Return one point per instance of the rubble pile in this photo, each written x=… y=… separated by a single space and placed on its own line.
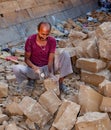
x=87 y=106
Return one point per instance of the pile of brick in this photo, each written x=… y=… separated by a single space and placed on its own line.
x=86 y=107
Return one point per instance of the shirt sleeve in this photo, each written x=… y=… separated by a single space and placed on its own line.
x=53 y=46
x=28 y=45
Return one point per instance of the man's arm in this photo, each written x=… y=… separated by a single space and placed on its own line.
x=28 y=62
x=51 y=62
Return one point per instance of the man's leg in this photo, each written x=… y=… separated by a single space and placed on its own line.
x=24 y=72
x=63 y=64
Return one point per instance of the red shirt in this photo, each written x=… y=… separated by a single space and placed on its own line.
x=40 y=55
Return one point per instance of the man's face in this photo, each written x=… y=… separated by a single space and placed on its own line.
x=43 y=32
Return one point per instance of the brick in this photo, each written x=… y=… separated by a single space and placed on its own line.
x=77 y=35
x=106 y=104
x=2 y=127
x=37 y=12
x=26 y=104
x=93 y=121
x=2 y=69
x=104 y=48
x=3 y=89
x=50 y=84
x=3 y=117
x=11 y=126
x=104 y=30
x=95 y=78
x=70 y=50
x=90 y=64
x=9 y=6
x=109 y=65
x=38 y=115
x=105 y=88
x=53 y=128
x=66 y=116
x=1 y=110
x=39 y=2
x=50 y=101
x=34 y=111
x=13 y=18
x=14 y=109
x=26 y=3
x=10 y=77
x=89 y=99
x=49 y=9
x=30 y=124
x=87 y=48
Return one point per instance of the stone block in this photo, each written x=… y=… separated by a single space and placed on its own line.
x=14 y=109
x=11 y=126
x=77 y=35
x=10 y=77
x=70 y=50
x=105 y=88
x=3 y=117
x=50 y=101
x=26 y=4
x=106 y=104
x=66 y=116
x=95 y=78
x=38 y=11
x=9 y=6
x=89 y=99
x=26 y=104
x=53 y=128
x=34 y=111
x=93 y=121
x=87 y=48
x=39 y=2
x=50 y=84
x=104 y=30
x=104 y=46
x=30 y=124
x=90 y=64
x=2 y=127
x=13 y=18
x=3 y=89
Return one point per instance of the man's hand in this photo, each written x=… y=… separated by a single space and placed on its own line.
x=36 y=69
x=53 y=77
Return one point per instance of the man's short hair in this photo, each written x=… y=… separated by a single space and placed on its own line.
x=45 y=23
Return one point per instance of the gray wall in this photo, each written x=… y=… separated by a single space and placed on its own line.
x=19 y=18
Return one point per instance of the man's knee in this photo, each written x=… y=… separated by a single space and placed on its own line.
x=16 y=68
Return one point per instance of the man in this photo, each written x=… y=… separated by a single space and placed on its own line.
x=41 y=59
